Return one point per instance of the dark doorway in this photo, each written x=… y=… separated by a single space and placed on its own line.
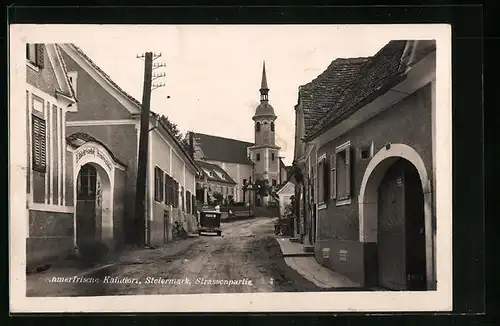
x=401 y=236
x=88 y=205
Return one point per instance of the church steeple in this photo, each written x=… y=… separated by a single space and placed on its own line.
x=264 y=90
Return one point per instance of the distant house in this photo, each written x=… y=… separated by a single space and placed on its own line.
x=104 y=140
x=50 y=205
x=285 y=194
x=230 y=155
x=215 y=180
x=372 y=156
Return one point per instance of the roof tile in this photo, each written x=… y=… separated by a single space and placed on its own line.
x=383 y=70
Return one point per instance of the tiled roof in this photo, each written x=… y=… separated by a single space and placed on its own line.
x=317 y=96
x=222 y=149
x=215 y=168
x=77 y=139
x=382 y=71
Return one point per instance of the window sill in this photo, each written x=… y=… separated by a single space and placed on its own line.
x=321 y=206
x=32 y=66
x=343 y=202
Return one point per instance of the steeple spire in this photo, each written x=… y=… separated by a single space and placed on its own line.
x=264 y=90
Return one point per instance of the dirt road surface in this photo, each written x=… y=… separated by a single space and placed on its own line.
x=246 y=258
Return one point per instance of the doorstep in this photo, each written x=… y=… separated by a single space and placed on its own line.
x=292 y=249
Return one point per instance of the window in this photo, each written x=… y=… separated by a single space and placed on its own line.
x=272 y=157
x=342 y=171
x=193 y=203
x=175 y=194
x=167 y=189
x=158 y=184
x=87 y=180
x=257 y=126
x=188 y=202
x=183 y=202
x=272 y=126
x=323 y=180
x=333 y=176
x=366 y=152
x=39 y=147
x=35 y=54
x=258 y=157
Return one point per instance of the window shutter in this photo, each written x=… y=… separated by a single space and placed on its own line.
x=348 y=171
x=333 y=176
x=326 y=176
x=39 y=144
x=39 y=55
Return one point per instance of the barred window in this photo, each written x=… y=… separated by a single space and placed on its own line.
x=39 y=147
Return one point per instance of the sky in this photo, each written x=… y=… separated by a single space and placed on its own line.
x=213 y=72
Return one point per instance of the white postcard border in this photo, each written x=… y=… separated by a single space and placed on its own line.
x=439 y=300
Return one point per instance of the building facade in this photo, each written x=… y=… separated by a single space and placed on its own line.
x=314 y=100
x=109 y=119
x=215 y=185
x=50 y=206
x=373 y=155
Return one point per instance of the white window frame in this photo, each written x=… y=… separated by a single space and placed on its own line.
x=344 y=200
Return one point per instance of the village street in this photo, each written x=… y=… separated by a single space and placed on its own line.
x=246 y=258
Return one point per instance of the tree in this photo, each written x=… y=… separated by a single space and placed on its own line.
x=174 y=129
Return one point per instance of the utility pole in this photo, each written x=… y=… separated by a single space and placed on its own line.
x=141 y=226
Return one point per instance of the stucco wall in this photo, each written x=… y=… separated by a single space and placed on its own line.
x=121 y=140
x=95 y=102
x=119 y=201
x=408 y=122
x=50 y=236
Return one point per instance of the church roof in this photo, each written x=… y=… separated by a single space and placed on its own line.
x=263 y=84
x=222 y=149
x=264 y=109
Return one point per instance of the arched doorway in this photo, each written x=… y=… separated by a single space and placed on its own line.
x=401 y=229
x=395 y=213
x=93 y=203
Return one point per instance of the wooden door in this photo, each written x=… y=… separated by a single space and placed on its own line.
x=86 y=204
x=415 y=230
x=391 y=229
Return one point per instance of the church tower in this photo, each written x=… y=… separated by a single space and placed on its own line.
x=265 y=152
